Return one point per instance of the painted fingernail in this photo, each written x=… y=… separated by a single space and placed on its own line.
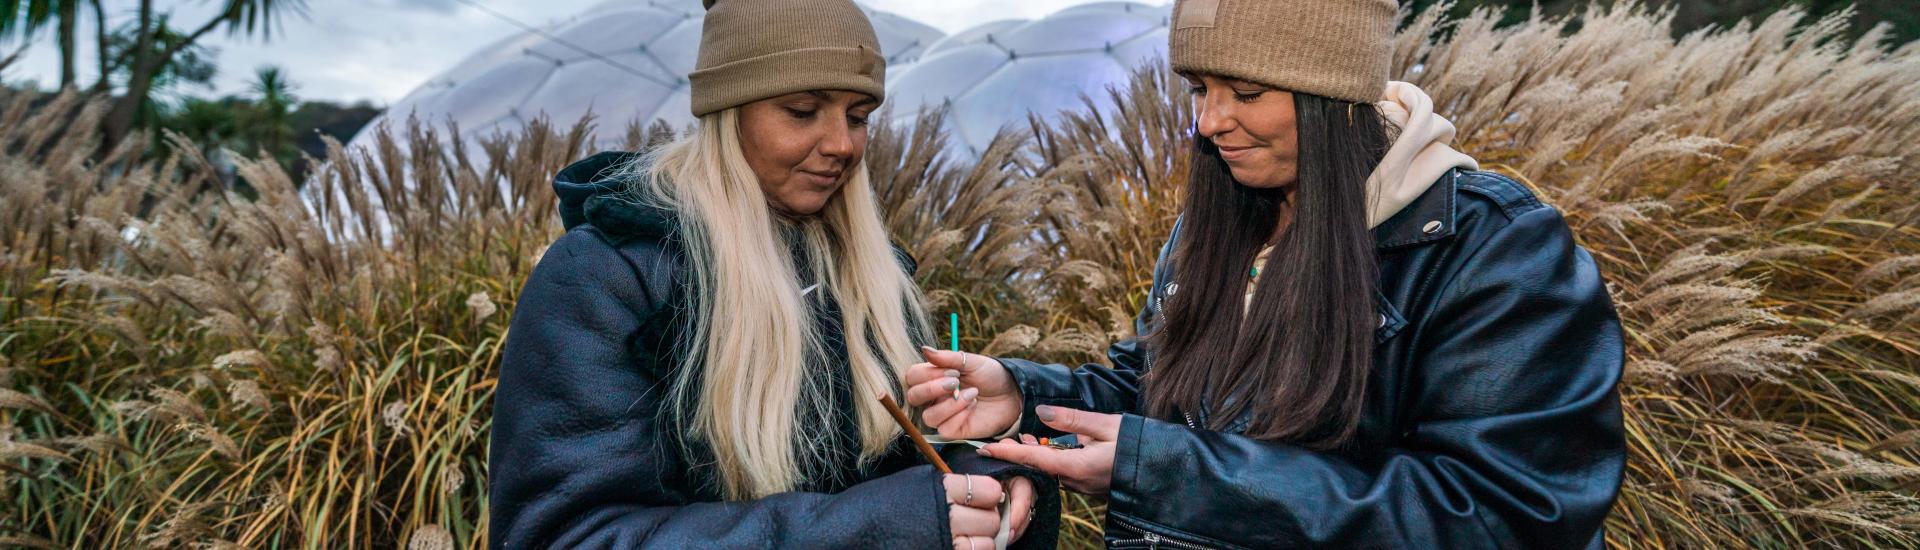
x=1045 y=412
x=953 y=383
x=984 y=452
x=952 y=373
x=970 y=393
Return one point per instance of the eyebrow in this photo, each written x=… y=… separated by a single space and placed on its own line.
x=824 y=96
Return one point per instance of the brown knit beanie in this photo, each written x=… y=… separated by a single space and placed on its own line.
x=1340 y=49
x=755 y=49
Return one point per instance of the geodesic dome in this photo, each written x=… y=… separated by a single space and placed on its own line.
x=996 y=73
x=626 y=60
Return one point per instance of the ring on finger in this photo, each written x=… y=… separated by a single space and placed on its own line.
x=969 y=478
x=956 y=381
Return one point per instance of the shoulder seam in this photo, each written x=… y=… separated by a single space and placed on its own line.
x=1512 y=197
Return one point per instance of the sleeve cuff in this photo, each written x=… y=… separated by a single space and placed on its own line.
x=1039 y=385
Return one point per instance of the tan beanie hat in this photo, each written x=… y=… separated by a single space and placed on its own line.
x=755 y=49
x=1340 y=49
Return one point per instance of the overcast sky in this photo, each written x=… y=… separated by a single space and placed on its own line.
x=378 y=50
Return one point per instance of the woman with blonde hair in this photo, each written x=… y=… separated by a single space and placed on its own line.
x=1354 y=337
x=696 y=362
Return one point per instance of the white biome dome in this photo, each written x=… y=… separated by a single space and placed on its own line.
x=996 y=73
x=626 y=60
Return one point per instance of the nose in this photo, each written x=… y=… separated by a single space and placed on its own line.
x=838 y=143
x=1212 y=117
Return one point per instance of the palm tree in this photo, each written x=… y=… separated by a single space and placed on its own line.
x=153 y=50
x=271 y=124
x=151 y=55
x=23 y=18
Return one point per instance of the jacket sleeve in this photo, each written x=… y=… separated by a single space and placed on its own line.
x=1093 y=387
x=1513 y=437
x=580 y=457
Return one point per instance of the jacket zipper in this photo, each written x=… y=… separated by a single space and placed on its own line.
x=1154 y=540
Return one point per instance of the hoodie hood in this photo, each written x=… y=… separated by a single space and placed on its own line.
x=591 y=192
x=1418 y=157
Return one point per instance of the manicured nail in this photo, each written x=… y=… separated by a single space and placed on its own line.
x=1045 y=412
x=952 y=373
x=970 y=393
x=952 y=383
x=984 y=452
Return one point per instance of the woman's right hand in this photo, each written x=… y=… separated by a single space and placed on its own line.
x=988 y=403
x=974 y=513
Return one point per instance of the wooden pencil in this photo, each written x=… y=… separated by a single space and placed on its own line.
x=919 y=441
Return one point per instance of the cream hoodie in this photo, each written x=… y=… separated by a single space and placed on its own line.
x=1418 y=157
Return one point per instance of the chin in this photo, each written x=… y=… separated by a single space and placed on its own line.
x=807 y=206
x=1254 y=179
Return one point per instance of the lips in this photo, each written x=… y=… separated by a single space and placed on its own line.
x=822 y=178
x=1234 y=153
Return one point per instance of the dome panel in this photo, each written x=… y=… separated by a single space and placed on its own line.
x=1150 y=13
x=997 y=73
x=491 y=94
x=612 y=32
x=500 y=51
x=676 y=50
x=1041 y=85
x=943 y=76
x=978 y=34
x=1074 y=32
x=574 y=89
x=901 y=39
x=1146 y=49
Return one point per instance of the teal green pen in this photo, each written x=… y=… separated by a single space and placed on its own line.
x=953 y=331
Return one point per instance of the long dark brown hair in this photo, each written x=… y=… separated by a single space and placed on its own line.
x=1296 y=361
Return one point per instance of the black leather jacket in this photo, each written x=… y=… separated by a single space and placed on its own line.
x=582 y=456
x=1491 y=419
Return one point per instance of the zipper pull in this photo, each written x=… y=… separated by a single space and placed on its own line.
x=1153 y=540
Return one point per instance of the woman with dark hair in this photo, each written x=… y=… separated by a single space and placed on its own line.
x=1354 y=338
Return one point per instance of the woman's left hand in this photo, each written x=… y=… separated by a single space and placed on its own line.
x=1088 y=469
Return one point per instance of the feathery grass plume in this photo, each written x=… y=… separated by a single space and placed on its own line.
x=452 y=479
x=248 y=392
x=245 y=357
x=28 y=541
x=16 y=450
x=219 y=442
x=431 y=537
x=394 y=416
x=184 y=524
x=101 y=443
x=1018 y=338
x=170 y=404
x=1888 y=268
x=10 y=399
x=482 y=306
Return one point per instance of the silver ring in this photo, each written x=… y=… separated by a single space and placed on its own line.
x=969 y=478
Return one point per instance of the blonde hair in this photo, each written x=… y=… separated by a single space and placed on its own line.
x=751 y=372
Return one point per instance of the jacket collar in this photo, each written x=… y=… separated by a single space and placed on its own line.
x=1429 y=218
